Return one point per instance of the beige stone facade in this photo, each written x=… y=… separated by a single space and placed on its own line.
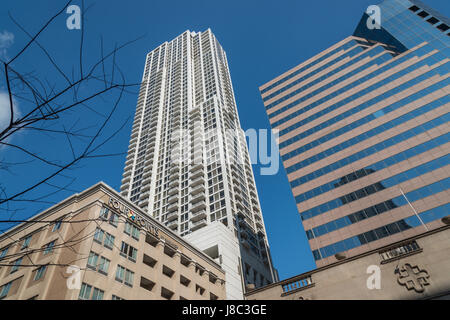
x=416 y=268
x=104 y=248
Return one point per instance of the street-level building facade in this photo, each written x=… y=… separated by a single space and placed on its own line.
x=97 y=245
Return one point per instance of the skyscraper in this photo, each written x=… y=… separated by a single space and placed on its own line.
x=188 y=164
x=364 y=131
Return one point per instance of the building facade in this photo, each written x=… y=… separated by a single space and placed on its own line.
x=364 y=132
x=412 y=269
x=98 y=245
x=188 y=163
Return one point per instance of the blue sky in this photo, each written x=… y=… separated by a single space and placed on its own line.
x=262 y=40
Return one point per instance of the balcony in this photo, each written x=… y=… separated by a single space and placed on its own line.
x=196 y=216
x=144 y=195
x=196 y=166
x=173 y=199
x=198 y=197
x=173 y=207
x=173 y=184
x=198 y=206
x=146 y=187
x=148 y=169
x=126 y=179
x=173 y=191
x=135 y=133
x=198 y=224
x=143 y=203
x=147 y=174
x=196 y=174
x=195 y=110
x=172 y=216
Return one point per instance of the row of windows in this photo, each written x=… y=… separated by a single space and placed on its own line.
x=372 y=149
x=379 y=208
x=38 y=274
x=365 y=105
x=47 y=249
x=381 y=185
x=382 y=164
x=382 y=232
x=26 y=241
x=372 y=132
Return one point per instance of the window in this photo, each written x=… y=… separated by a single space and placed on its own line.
x=97 y=294
x=49 y=247
x=56 y=226
x=127 y=250
x=114 y=297
x=132 y=230
x=432 y=20
x=184 y=281
x=104 y=212
x=129 y=275
x=92 y=260
x=166 y=293
x=26 y=242
x=16 y=265
x=114 y=219
x=104 y=265
x=4 y=290
x=120 y=273
x=443 y=27
x=98 y=235
x=85 y=292
x=40 y=272
x=423 y=14
x=109 y=241
x=200 y=290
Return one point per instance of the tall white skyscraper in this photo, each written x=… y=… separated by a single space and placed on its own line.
x=188 y=164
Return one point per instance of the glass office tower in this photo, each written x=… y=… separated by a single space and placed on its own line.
x=188 y=164
x=364 y=132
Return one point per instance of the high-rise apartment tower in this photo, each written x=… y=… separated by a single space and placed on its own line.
x=188 y=164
